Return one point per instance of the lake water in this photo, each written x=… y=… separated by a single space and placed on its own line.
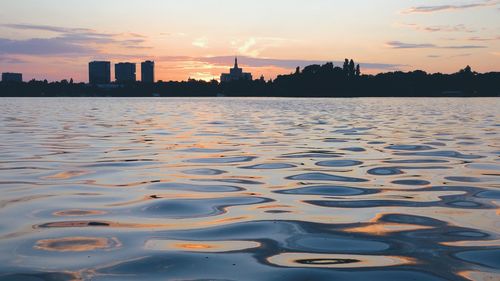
x=249 y=189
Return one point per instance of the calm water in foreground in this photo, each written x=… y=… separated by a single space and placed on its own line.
x=249 y=189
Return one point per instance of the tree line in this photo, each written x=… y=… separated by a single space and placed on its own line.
x=325 y=80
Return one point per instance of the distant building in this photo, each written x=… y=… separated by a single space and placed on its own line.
x=148 y=72
x=12 y=77
x=235 y=74
x=99 y=72
x=125 y=72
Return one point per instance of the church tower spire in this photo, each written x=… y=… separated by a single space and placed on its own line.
x=235 y=73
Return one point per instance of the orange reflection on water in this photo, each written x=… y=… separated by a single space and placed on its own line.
x=479 y=276
x=274 y=206
x=67 y=175
x=201 y=246
x=378 y=227
x=486 y=243
x=230 y=219
x=337 y=261
x=78 y=213
x=77 y=244
x=385 y=228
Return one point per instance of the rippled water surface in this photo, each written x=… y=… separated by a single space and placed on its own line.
x=249 y=189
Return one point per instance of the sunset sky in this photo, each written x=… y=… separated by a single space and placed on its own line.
x=55 y=39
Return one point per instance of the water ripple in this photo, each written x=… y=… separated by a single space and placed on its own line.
x=249 y=189
x=191 y=208
x=222 y=159
x=339 y=163
x=327 y=190
x=324 y=177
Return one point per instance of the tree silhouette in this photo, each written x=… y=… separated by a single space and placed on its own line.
x=352 y=70
x=466 y=71
x=346 y=67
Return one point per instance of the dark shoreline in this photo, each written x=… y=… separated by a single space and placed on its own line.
x=235 y=96
x=315 y=81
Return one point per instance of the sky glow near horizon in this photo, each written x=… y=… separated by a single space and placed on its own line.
x=54 y=40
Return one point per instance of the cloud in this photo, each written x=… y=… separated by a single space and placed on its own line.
x=9 y=60
x=174 y=58
x=53 y=46
x=403 y=45
x=137 y=35
x=224 y=61
x=68 y=41
x=201 y=42
x=439 y=28
x=50 y=28
x=248 y=48
x=454 y=7
x=255 y=46
x=464 y=47
x=461 y=55
x=484 y=39
x=453 y=56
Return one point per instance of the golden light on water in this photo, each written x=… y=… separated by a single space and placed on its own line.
x=200 y=246
x=171 y=185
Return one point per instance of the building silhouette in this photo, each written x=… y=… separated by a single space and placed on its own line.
x=99 y=72
x=235 y=74
x=125 y=72
x=148 y=71
x=12 y=77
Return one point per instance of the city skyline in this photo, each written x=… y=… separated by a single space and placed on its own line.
x=199 y=39
x=100 y=72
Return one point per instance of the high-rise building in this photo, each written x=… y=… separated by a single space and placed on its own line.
x=148 y=71
x=235 y=74
x=125 y=72
x=12 y=77
x=99 y=72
